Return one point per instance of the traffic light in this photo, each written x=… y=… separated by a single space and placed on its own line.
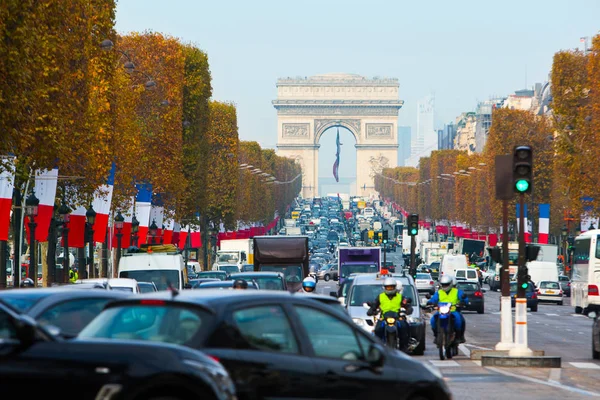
x=413 y=224
x=496 y=254
x=531 y=252
x=371 y=234
x=523 y=169
x=385 y=237
x=523 y=278
x=376 y=237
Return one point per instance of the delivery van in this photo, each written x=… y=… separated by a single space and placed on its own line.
x=453 y=262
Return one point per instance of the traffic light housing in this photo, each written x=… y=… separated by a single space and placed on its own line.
x=496 y=254
x=385 y=237
x=523 y=169
x=413 y=224
x=523 y=279
x=531 y=252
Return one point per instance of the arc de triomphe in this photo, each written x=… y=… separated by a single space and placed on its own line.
x=307 y=107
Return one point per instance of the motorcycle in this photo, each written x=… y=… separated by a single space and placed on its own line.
x=391 y=336
x=446 y=342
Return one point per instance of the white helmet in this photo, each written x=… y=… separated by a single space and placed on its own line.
x=390 y=286
x=399 y=286
x=309 y=284
x=446 y=282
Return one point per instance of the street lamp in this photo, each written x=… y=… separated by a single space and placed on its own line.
x=152 y=232
x=64 y=213
x=31 y=210
x=90 y=216
x=135 y=226
x=119 y=227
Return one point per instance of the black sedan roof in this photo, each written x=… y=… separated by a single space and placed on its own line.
x=260 y=274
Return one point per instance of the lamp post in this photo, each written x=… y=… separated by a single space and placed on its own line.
x=90 y=215
x=152 y=232
x=119 y=219
x=64 y=213
x=135 y=226
x=31 y=210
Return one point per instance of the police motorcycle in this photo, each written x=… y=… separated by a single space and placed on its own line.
x=392 y=330
x=447 y=338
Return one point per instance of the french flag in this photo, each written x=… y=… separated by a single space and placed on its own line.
x=143 y=205
x=168 y=231
x=101 y=204
x=195 y=238
x=183 y=234
x=544 y=223
x=45 y=191
x=6 y=194
x=77 y=228
x=126 y=231
x=176 y=233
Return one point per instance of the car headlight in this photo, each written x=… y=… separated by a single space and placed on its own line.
x=412 y=320
x=359 y=321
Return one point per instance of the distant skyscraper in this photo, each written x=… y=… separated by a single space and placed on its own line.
x=446 y=137
x=404 y=144
x=426 y=138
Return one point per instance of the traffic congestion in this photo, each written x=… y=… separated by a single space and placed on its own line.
x=327 y=308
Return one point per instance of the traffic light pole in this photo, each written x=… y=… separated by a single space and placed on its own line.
x=413 y=245
x=384 y=256
x=506 y=325
x=520 y=348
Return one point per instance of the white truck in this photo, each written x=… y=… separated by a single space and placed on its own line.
x=234 y=251
x=433 y=251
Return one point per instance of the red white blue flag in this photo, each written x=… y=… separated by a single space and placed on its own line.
x=336 y=164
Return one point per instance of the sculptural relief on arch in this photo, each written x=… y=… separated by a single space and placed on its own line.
x=368 y=108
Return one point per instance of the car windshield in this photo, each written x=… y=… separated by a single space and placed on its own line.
x=73 y=315
x=214 y=274
x=160 y=277
x=423 y=276
x=23 y=300
x=122 y=288
x=292 y=273
x=358 y=268
x=367 y=293
x=154 y=322
x=230 y=269
x=231 y=258
x=266 y=282
x=467 y=286
x=549 y=285
x=146 y=288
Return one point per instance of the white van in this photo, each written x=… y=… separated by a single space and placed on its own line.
x=369 y=212
x=453 y=262
x=542 y=271
x=162 y=268
x=466 y=274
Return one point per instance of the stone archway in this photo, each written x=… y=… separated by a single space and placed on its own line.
x=368 y=108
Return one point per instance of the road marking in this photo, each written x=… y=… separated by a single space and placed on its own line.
x=547 y=383
x=464 y=349
x=444 y=363
x=583 y=365
x=581 y=333
x=569 y=330
x=478 y=363
x=578 y=315
x=497 y=313
x=477 y=347
x=552 y=315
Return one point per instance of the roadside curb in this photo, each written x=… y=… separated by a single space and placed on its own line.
x=506 y=361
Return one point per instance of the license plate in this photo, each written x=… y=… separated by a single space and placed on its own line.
x=549 y=291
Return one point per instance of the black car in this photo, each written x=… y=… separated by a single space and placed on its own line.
x=222 y=275
x=474 y=293
x=265 y=280
x=274 y=344
x=224 y=285
x=43 y=366
x=565 y=284
x=62 y=310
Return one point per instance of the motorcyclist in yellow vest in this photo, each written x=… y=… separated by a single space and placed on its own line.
x=449 y=294
x=391 y=300
x=73 y=275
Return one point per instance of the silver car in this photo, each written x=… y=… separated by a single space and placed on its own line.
x=425 y=283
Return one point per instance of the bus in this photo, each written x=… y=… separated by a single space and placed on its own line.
x=585 y=280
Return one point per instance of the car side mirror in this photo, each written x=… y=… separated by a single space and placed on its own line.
x=592 y=314
x=187 y=286
x=375 y=356
x=366 y=305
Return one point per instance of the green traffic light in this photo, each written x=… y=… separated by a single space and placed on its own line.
x=413 y=231
x=522 y=185
x=524 y=285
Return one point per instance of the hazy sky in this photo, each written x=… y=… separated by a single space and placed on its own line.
x=463 y=51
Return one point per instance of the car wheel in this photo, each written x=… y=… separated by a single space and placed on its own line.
x=481 y=310
x=326 y=277
x=595 y=353
x=534 y=309
x=578 y=310
x=560 y=303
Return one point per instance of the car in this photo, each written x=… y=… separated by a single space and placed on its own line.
x=595 y=334
x=197 y=282
x=248 y=268
x=274 y=344
x=425 y=283
x=147 y=287
x=102 y=369
x=222 y=275
x=265 y=280
x=434 y=268
x=565 y=284
x=550 y=291
x=224 y=285
x=366 y=287
x=474 y=293
x=122 y=284
x=328 y=272
x=65 y=310
x=343 y=289
x=530 y=294
x=229 y=268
